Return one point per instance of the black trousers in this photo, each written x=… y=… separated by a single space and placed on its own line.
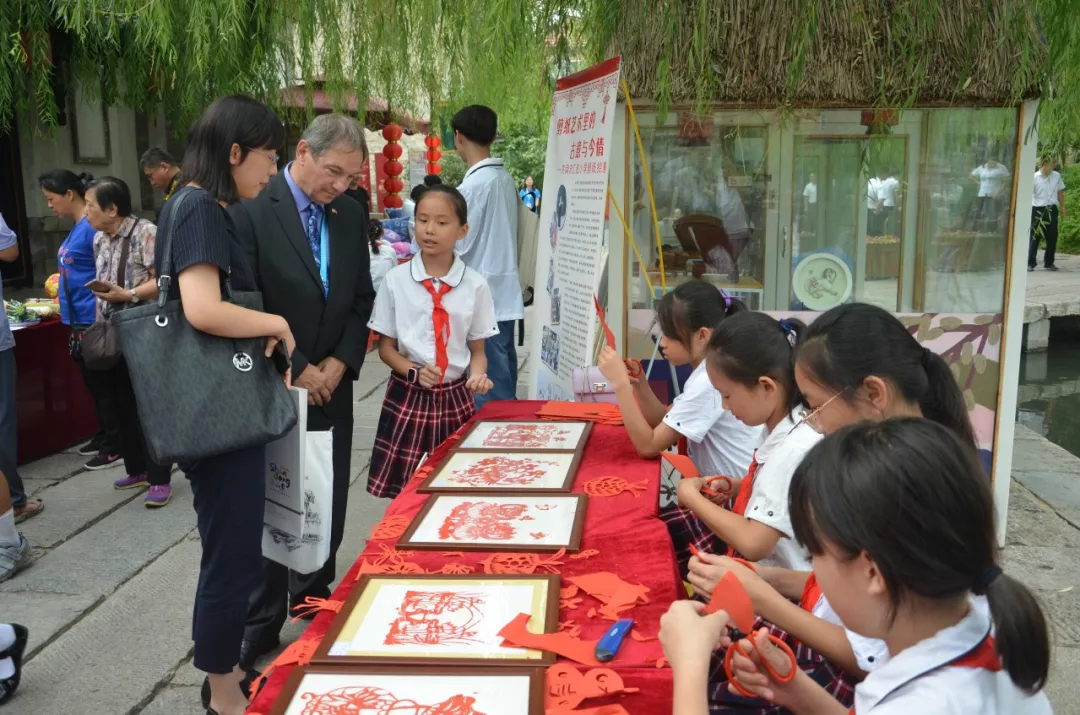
x=281 y=587
x=228 y=493
x=108 y=434
x=126 y=413
x=1044 y=224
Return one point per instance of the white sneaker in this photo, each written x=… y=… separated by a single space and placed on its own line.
x=14 y=558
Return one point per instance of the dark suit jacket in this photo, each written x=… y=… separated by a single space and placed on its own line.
x=269 y=230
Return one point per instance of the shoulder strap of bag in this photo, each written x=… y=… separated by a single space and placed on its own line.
x=67 y=295
x=125 y=249
x=164 y=281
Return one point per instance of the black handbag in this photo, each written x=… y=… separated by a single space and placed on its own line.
x=100 y=345
x=199 y=395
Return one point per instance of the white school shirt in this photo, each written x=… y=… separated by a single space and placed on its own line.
x=1046 y=189
x=490 y=248
x=870 y=653
x=887 y=191
x=873 y=186
x=403 y=312
x=779 y=453
x=383 y=260
x=718 y=442
x=810 y=192
x=922 y=679
x=990 y=180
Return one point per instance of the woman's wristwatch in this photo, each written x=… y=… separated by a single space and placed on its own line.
x=134 y=296
x=413 y=375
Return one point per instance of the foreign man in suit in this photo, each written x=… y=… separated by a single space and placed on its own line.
x=307 y=245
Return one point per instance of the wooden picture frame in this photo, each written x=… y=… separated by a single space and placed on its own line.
x=469 y=439
x=355 y=677
x=358 y=607
x=436 y=481
x=438 y=504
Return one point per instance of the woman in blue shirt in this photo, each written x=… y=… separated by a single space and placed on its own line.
x=530 y=195
x=65 y=191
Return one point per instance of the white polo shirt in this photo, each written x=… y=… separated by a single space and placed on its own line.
x=873 y=187
x=887 y=191
x=779 y=453
x=870 y=653
x=922 y=680
x=717 y=441
x=1046 y=189
x=490 y=248
x=990 y=179
x=403 y=312
x=809 y=192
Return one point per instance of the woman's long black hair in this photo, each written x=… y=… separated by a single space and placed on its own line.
x=749 y=346
x=694 y=305
x=910 y=493
x=852 y=342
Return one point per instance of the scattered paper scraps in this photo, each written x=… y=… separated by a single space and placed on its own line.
x=456 y=569
x=502 y=563
x=516 y=634
x=586 y=554
x=642 y=638
x=313 y=605
x=568 y=597
x=570 y=627
x=614 y=486
x=297 y=653
x=616 y=595
x=568 y=687
x=391 y=527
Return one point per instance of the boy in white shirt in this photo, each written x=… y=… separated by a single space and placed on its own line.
x=1047 y=206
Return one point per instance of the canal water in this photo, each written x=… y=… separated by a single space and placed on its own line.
x=1049 y=397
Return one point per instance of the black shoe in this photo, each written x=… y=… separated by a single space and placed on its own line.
x=101 y=461
x=250 y=651
x=8 y=686
x=90 y=449
x=1031 y=269
x=1051 y=268
x=245 y=685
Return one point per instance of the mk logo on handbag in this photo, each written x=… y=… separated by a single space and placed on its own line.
x=242 y=362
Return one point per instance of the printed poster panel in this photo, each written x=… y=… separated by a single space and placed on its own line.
x=569 y=256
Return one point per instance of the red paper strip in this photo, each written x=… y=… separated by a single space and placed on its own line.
x=609 y=337
x=683 y=464
x=567 y=686
x=516 y=633
x=730 y=595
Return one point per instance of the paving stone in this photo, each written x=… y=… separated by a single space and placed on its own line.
x=182 y=700
x=116 y=548
x=187 y=674
x=117 y=656
x=72 y=505
x=45 y=614
x=54 y=467
x=1042 y=456
x=1044 y=568
x=1033 y=523
x=358 y=467
x=1062 y=688
x=1059 y=490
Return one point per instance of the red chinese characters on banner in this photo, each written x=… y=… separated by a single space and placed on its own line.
x=526 y=436
x=483 y=520
x=502 y=471
x=359 y=700
x=578 y=123
x=436 y=618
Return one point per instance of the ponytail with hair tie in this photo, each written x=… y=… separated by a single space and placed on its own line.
x=986 y=577
x=789 y=331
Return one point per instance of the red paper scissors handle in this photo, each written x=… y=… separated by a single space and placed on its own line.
x=735 y=647
x=725 y=486
x=695 y=551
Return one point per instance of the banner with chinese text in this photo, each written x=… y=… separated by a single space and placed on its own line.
x=568 y=258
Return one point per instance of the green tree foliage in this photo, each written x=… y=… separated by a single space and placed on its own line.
x=453 y=169
x=524 y=151
x=1069 y=227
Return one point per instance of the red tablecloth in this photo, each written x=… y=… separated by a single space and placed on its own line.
x=632 y=541
x=54 y=407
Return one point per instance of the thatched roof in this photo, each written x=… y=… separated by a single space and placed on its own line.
x=855 y=52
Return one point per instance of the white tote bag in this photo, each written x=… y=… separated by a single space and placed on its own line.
x=299 y=495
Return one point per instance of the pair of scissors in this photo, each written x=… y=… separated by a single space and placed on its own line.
x=632 y=366
x=730 y=596
x=695 y=551
x=725 y=488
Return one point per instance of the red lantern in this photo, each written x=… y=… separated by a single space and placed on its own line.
x=391 y=132
x=393 y=201
x=432 y=142
x=394 y=185
x=394 y=168
x=392 y=150
x=434 y=169
x=433 y=155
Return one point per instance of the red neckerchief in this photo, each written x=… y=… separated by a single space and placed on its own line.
x=983 y=656
x=746 y=489
x=441 y=321
x=811 y=594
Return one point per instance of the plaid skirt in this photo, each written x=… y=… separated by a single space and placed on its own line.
x=414 y=421
x=687 y=529
x=834 y=680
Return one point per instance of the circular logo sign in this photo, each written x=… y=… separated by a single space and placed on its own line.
x=242 y=362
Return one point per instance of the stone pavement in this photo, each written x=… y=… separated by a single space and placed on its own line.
x=108 y=599
x=1050 y=295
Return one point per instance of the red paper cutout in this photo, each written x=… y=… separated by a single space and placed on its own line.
x=599 y=412
x=682 y=463
x=586 y=554
x=568 y=591
x=661 y=662
x=591 y=613
x=313 y=605
x=731 y=596
x=537 y=535
x=616 y=595
x=502 y=471
x=516 y=633
x=297 y=653
x=523 y=563
x=422 y=472
x=570 y=627
x=567 y=597
x=567 y=686
x=391 y=561
x=613 y=486
x=530 y=436
x=482 y=520
x=352 y=700
x=436 y=618
x=640 y=638
x=455 y=569
x=391 y=527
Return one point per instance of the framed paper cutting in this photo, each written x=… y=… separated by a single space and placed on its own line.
x=315 y=690
x=517 y=522
x=487 y=472
x=531 y=436
x=452 y=620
